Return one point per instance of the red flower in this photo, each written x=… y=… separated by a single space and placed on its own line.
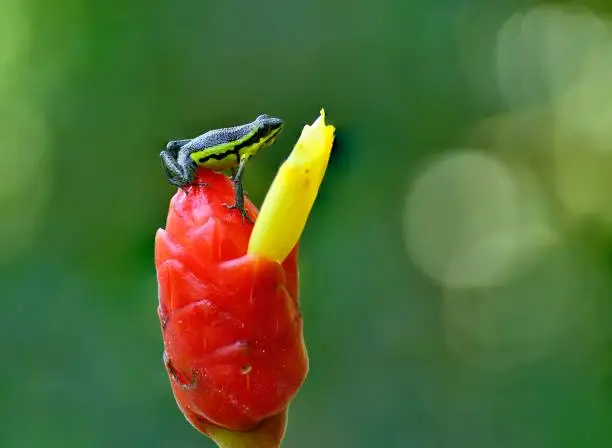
x=231 y=322
x=228 y=299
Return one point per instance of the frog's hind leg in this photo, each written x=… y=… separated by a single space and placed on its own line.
x=175 y=173
x=174 y=146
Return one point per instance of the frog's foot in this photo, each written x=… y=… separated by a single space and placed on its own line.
x=188 y=187
x=239 y=205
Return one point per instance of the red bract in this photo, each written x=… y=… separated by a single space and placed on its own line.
x=231 y=322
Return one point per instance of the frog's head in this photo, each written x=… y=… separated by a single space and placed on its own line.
x=269 y=127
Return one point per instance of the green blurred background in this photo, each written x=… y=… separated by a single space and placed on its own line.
x=456 y=268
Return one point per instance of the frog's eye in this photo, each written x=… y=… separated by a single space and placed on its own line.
x=262 y=117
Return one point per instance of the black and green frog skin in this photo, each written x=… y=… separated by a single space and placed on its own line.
x=220 y=149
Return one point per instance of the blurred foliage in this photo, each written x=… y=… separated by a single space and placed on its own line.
x=456 y=275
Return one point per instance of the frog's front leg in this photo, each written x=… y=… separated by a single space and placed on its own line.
x=239 y=191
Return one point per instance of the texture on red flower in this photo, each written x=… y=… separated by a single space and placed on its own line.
x=230 y=321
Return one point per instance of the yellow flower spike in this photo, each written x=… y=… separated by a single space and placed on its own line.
x=290 y=198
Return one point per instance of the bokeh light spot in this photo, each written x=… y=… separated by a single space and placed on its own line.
x=25 y=168
x=520 y=322
x=467 y=222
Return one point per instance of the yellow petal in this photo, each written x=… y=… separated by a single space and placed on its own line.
x=267 y=435
x=288 y=203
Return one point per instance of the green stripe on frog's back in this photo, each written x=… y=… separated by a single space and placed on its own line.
x=224 y=155
x=228 y=154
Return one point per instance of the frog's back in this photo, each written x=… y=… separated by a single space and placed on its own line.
x=220 y=137
x=218 y=149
